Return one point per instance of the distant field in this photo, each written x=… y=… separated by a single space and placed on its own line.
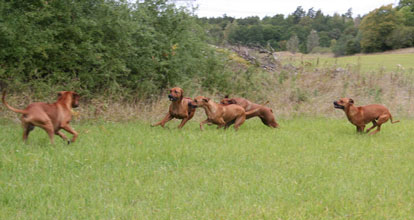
x=364 y=63
x=310 y=168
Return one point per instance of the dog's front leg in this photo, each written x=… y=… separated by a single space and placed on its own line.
x=360 y=129
x=166 y=119
x=183 y=122
x=204 y=122
x=63 y=136
x=70 y=130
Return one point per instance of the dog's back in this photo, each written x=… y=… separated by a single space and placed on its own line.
x=232 y=111
x=373 y=111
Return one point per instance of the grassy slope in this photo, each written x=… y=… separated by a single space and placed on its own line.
x=374 y=62
x=311 y=168
x=364 y=63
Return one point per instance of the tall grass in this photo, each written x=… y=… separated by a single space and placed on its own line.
x=310 y=168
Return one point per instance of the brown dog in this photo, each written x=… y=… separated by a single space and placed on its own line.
x=50 y=117
x=179 y=108
x=362 y=115
x=219 y=114
x=264 y=113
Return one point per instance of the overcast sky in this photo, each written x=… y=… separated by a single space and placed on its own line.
x=261 y=8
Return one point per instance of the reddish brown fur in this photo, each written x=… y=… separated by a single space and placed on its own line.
x=219 y=114
x=362 y=115
x=50 y=117
x=178 y=109
x=264 y=113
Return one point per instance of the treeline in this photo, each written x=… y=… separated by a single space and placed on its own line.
x=312 y=31
x=104 y=47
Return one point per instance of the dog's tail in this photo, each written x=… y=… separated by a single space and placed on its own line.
x=267 y=102
x=3 y=99
x=392 y=122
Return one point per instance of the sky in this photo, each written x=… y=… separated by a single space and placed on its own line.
x=262 y=8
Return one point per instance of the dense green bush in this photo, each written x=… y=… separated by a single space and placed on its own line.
x=321 y=50
x=103 y=46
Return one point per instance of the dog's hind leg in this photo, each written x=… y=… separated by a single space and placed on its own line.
x=27 y=128
x=374 y=124
x=239 y=121
x=229 y=124
x=48 y=127
x=381 y=120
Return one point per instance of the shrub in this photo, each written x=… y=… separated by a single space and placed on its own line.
x=321 y=50
x=105 y=47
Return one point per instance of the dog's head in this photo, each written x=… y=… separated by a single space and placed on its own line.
x=198 y=101
x=343 y=103
x=75 y=100
x=228 y=101
x=176 y=93
x=74 y=97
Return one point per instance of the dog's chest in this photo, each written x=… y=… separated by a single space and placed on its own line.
x=179 y=114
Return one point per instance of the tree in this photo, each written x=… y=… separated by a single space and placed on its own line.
x=231 y=26
x=401 y=37
x=408 y=14
x=311 y=13
x=255 y=35
x=404 y=3
x=324 y=39
x=238 y=35
x=346 y=45
x=376 y=28
x=313 y=41
x=272 y=34
x=298 y=14
x=348 y=13
x=293 y=44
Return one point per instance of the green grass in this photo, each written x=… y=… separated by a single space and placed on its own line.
x=364 y=63
x=310 y=168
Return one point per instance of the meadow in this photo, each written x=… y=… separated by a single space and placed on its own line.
x=310 y=168
x=396 y=61
x=121 y=57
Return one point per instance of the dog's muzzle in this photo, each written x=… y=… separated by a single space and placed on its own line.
x=191 y=105
x=336 y=105
x=172 y=98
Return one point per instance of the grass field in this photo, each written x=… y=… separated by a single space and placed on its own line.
x=365 y=63
x=310 y=168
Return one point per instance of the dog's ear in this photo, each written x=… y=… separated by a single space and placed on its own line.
x=232 y=101
x=206 y=99
x=75 y=95
x=59 y=94
x=351 y=101
x=181 y=92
